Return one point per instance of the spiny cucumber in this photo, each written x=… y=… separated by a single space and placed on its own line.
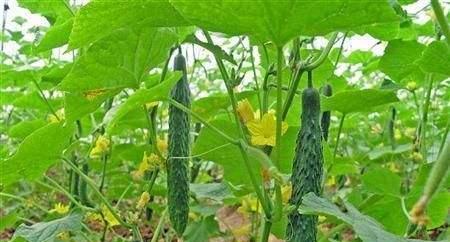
x=307 y=168
x=179 y=146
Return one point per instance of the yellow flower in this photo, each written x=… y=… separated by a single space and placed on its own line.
x=245 y=111
x=149 y=163
x=411 y=86
x=397 y=134
x=240 y=231
x=151 y=104
x=416 y=156
x=60 y=208
x=101 y=146
x=57 y=117
x=162 y=145
x=109 y=217
x=143 y=200
x=376 y=129
x=64 y=236
x=263 y=131
x=410 y=132
x=93 y=216
x=249 y=204
x=286 y=191
x=331 y=181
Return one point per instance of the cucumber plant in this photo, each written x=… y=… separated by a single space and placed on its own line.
x=186 y=120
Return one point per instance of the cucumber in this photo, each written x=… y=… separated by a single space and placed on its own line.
x=179 y=146
x=307 y=168
x=325 y=121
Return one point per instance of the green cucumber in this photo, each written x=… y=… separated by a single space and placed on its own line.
x=179 y=146
x=325 y=121
x=307 y=168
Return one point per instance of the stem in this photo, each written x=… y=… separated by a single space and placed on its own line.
x=71 y=198
x=332 y=232
x=323 y=55
x=206 y=123
x=340 y=52
x=229 y=88
x=303 y=68
x=259 y=193
x=426 y=106
x=279 y=105
x=266 y=230
x=338 y=138
x=102 y=181
x=23 y=200
x=442 y=20
x=45 y=99
x=441 y=147
x=159 y=226
x=91 y=184
x=258 y=90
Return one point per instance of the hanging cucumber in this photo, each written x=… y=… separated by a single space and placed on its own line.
x=307 y=168
x=179 y=140
x=84 y=198
x=325 y=121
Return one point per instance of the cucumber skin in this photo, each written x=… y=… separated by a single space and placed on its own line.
x=325 y=121
x=179 y=146
x=307 y=169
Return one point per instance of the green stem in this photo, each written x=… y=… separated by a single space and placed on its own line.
x=45 y=99
x=71 y=198
x=206 y=123
x=266 y=231
x=301 y=69
x=323 y=55
x=102 y=181
x=441 y=147
x=442 y=20
x=332 y=232
x=92 y=185
x=426 y=106
x=229 y=88
x=338 y=137
x=279 y=105
x=258 y=89
x=23 y=200
x=258 y=190
x=159 y=226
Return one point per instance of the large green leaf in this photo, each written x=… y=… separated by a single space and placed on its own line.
x=201 y=230
x=56 y=36
x=365 y=227
x=213 y=147
x=159 y=92
x=77 y=105
x=51 y=9
x=358 y=100
x=47 y=231
x=24 y=128
x=36 y=153
x=100 y=18
x=280 y=21
x=436 y=58
x=214 y=191
x=398 y=61
x=382 y=181
x=120 y=60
